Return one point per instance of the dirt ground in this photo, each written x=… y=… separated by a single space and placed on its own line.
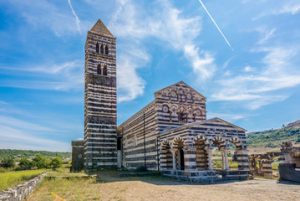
x=164 y=189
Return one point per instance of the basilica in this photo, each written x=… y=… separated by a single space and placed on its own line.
x=171 y=134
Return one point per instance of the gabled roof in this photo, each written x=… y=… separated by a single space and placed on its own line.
x=180 y=83
x=205 y=123
x=217 y=120
x=101 y=29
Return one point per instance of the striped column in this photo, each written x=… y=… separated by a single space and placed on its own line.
x=266 y=168
x=190 y=159
x=242 y=159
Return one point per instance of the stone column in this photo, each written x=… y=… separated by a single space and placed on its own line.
x=243 y=159
x=209 y=157
x=225 y=160
x=267 y=168
x=174 y=159
x=190 y=158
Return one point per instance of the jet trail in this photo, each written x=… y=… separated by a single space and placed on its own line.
x=76 y=17
x=216 y=25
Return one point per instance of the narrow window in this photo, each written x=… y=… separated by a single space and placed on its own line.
x=102 y=49
x=105 y=70
x=106 y=49
x=99 y=69
x=97 y=47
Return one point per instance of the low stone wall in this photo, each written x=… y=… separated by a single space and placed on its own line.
x=20 y=192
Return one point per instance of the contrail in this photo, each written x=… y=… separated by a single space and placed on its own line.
x=76 y=17
x=212 y=19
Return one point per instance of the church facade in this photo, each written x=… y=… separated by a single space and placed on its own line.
x=171 y=134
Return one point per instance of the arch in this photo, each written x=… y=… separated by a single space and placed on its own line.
x=99 y=70
x=240 y=155
x=218 y=145
x=232 y=152
x=106 y=50
x=97 y=47
x=104 y=70
x=178 y=146
x=102 y=49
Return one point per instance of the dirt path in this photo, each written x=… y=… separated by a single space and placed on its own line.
x=247 y=190
x=164 y=189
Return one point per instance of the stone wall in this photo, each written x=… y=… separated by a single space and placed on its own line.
x=22 y=191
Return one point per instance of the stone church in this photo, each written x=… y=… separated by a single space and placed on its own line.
x=171 y=134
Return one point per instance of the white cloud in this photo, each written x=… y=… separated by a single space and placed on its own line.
x=288 y=7
x=61 y=76
x=12 y=138
x=20 y=124
x=165 y=23
x=130 y=85
x=43 y=14
x=248 y=69
x=267 y=34
x=257 y=89
x=227 y=116
x=292 y=9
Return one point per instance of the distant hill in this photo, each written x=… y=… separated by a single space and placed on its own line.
x=4 y=153
x=274 y=137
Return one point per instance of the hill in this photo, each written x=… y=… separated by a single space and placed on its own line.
x=274 y=137
x=4 y=153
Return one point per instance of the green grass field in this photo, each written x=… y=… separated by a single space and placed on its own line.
x=12 y=178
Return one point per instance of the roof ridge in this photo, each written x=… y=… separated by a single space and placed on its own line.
x=100 y=28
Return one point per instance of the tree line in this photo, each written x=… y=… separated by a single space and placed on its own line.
x=37 y=162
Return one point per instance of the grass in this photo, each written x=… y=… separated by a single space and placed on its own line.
x=12 y=178
x=62 y=184
x=75 y=188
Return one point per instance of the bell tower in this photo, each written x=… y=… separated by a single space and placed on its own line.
x=100 y=111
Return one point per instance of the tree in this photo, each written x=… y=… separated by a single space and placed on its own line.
x=56 y=163
x=25 y=164
x=8 y=162
x=40 y=161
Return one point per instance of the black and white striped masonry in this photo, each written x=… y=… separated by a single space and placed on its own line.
x=100 y=112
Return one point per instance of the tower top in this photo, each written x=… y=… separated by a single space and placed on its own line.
x=100 y=28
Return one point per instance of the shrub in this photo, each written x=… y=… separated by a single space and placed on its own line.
x=41 y=162
x=8 y=163
x=56 y=163
x=25 y=164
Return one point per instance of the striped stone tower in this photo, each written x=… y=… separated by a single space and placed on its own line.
x=100 y=114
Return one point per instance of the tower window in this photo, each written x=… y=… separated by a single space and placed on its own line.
x=97 y=47
x=105 y=70
x=102 y=49
x=106 y=49
x=99 y=69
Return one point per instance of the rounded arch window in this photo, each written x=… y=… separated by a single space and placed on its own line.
x=102 y=49
x=105 y=70
x=97 y=47
x=99 y=70
x=182 y=117
x=106 y=49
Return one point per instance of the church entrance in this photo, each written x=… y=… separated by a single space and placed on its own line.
x=180 y=159
x=181 y=153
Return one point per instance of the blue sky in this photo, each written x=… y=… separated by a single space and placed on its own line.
x=242 y=55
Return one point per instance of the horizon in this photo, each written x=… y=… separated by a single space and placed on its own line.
x=244 y=61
